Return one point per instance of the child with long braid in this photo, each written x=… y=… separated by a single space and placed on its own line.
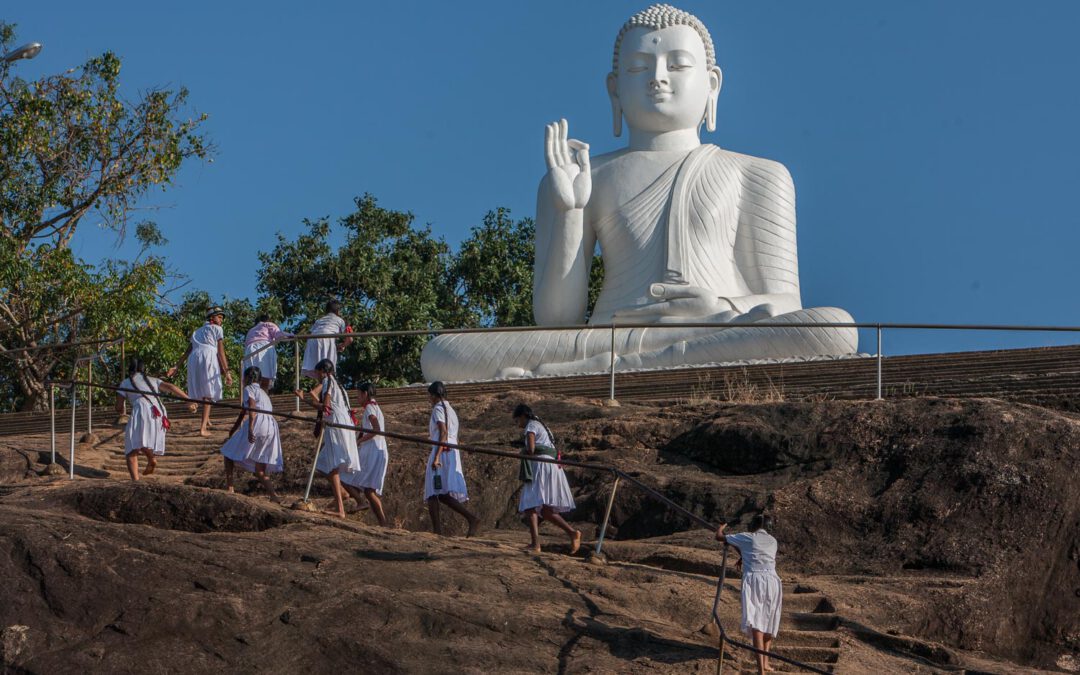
x=338 y=451
x=144 y=433
x=546 y=493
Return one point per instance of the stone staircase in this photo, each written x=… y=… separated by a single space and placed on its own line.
x=808 y=630
x=185 y=453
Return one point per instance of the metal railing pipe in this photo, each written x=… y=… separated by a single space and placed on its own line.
x=89 y=396
x=315 y=463
x=296 y=374
x=123 y=371
x=607 y=515
x=611 y=393
x=680 y=326
x=71 y=459
x=52 y=423
x=879 y=362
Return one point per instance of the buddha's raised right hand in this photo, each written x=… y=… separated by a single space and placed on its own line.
x=569 y=174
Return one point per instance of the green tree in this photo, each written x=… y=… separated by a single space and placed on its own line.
x=493 y=270
x=389 y=274
x=73 y=145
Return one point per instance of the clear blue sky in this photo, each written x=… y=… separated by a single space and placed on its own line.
x=933 y=144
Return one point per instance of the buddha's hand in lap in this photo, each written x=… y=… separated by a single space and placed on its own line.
x=569 y=175
x=681 y=303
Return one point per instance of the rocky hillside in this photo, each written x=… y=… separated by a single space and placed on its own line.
x=916 y=534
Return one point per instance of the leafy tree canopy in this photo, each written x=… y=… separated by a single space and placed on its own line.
x=72 y=146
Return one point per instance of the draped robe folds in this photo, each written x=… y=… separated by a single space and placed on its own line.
x=716 y=220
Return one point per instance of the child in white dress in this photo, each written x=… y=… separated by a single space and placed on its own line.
x=144 y=433
x=255 y=441
x=762 y=592
x=206 y=362
x=338 y=451
x=546 y=493
x=444 y=482
x=368 y=481
x=318 y=349
x=258 y=340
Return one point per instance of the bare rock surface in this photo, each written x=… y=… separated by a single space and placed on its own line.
x=920 y=535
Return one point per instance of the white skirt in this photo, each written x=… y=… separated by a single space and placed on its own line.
x=265 y=450
x=204 y=374
x=762 y=597
x=372 y=471
x=265 y=361
x=338 y=450
x=143 y=430
x=548 y=487
x=453 y=480
x=316 y=350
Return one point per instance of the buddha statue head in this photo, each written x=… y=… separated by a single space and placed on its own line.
x=664 y=75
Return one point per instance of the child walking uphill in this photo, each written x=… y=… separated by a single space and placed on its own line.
x=144 y=433
x=255 y=441
x=259 y=353
x=762 y=592
x=338 y=451
x=444 y=482
x=368 y=481
x=546 y=493
x=206 y=362
x=321 y=348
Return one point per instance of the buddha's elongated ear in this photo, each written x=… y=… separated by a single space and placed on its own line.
x=616 y=107
x=716 y=78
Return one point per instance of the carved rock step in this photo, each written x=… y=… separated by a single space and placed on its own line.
x=807 y=603
x=805 y=638
x=807 y=654
x=812 y=622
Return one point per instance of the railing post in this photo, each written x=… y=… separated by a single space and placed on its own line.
x=607 y=515
x=71 y=460
x=89 y=396
x=296 y=374
x=879 y=362
x=314 y=463
x=611 y=392
x=123 y=369
x=52 y=421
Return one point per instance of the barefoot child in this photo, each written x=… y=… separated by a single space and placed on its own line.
x=254 y=442
x=444 y=483
x=206 y=362
x=373 y=455
x=318 y=349
x=546 y=493
x=145 y=430
x=338 y=450
x=762 y=592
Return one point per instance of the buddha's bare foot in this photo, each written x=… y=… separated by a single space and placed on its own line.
x=531 y=549
x=204 y=433
x=334 y=512
x=575 y=542
x=150 y=466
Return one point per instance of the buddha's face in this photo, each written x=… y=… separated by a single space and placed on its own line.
x=664 y=80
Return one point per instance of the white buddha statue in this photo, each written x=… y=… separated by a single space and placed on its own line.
x=689 y=233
